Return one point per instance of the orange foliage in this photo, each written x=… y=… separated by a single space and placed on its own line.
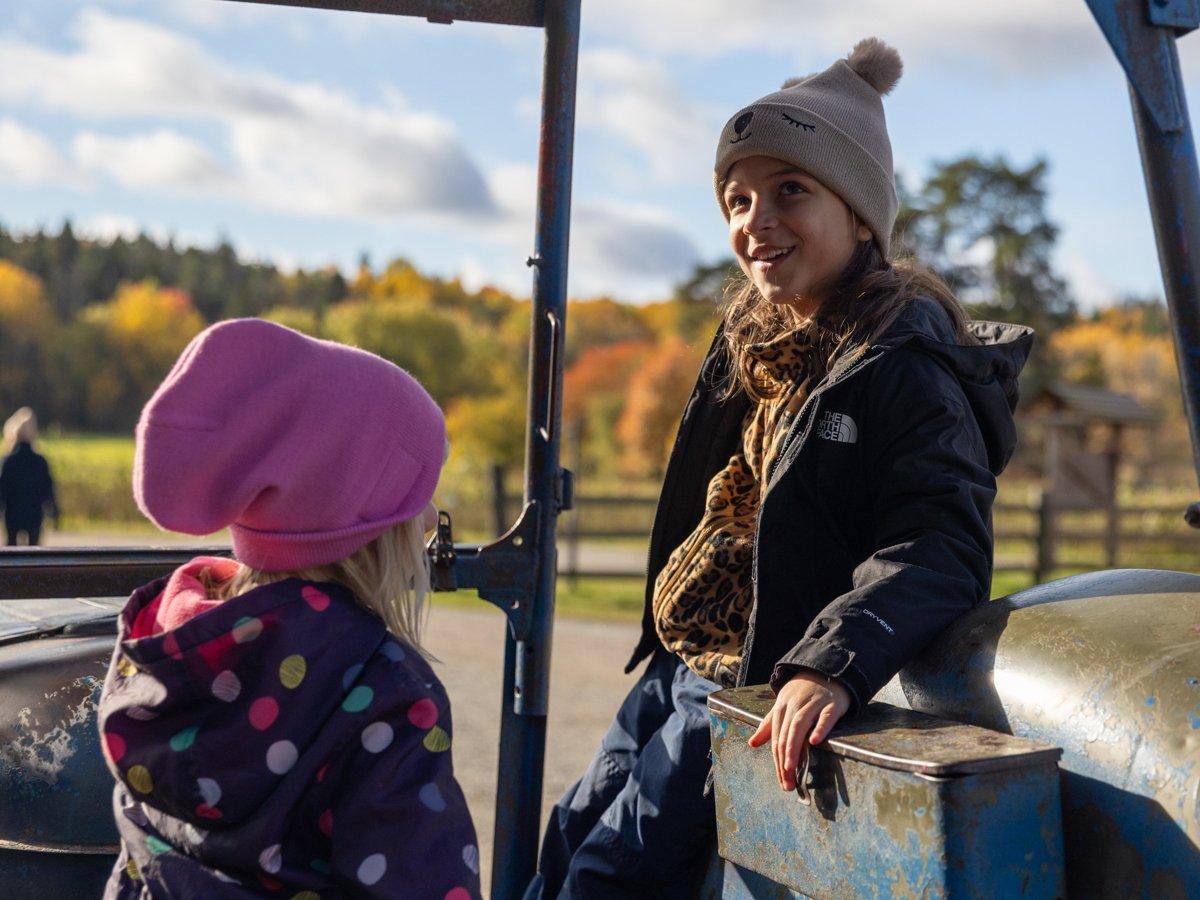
x=653 y=406
x=600 y=371
x=596 y=323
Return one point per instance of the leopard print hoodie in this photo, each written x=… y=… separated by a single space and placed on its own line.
x=702 y=595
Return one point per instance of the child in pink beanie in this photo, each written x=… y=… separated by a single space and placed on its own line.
x=271 y=722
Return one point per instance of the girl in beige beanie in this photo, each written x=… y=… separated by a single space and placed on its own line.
x=827 y=506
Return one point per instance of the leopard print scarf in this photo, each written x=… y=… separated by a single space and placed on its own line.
x=702 y=595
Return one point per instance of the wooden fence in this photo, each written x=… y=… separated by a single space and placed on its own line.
x=604 y=536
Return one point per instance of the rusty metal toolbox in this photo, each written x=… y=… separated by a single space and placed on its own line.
x=900 y=804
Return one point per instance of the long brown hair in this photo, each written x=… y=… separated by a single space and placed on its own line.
x=863 y=303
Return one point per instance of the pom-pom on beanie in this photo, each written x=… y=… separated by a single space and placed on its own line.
x=831 y=125
x=307 y=450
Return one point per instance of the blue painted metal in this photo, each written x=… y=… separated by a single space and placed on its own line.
x=1181 y=15
x=527 y=657
x=1142 y=35
x=1107 y=666
x=903 y=805
x=443 y=12
x=57 y=834
x=729 y=881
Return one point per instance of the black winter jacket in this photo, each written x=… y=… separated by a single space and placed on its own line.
x=26 y=488
x=874 y=531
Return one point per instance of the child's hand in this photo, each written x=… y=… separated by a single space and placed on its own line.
x=809 y=702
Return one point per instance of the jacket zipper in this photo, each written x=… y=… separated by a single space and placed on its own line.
x=814 y=399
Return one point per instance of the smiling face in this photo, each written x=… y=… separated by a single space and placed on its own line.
x=791 y=235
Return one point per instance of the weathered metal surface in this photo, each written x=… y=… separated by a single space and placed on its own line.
x=1107 y=666
x=56 y=826
x=1140 y=48
x=1180 y=15
x=89 y=571
x=22 y=619
x=498 y=12
x=895 y=738
x=1142 y=35
x=873 y=831
x=729 y=881
x=525 y=697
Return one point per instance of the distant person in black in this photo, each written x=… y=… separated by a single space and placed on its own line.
x=26 y=488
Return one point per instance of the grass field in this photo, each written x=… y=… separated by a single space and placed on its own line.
x=95 y=493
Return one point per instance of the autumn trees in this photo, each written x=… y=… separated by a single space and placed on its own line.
x=87 y=327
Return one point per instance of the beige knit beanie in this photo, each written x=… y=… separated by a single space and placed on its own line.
x=831 y=125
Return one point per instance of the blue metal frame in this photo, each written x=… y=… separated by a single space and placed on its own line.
x=547 y=485
x=1142 y=34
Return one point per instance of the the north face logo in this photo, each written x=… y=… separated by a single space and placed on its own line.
x=838 y=427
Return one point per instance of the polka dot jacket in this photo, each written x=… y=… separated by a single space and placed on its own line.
x=280 y=744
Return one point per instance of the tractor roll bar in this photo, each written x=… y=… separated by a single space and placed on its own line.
x=443 y=12
x=1142 y=34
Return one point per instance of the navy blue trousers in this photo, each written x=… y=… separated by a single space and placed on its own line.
x=638 y=823
x=14 y=525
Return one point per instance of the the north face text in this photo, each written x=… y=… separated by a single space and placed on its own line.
x=833 y=426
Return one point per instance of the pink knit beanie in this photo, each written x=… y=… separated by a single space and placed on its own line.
x=307 y=450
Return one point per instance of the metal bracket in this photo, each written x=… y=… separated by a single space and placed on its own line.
x=1182 y=15
x=442 y=554
x=564 y=493
x=503 y=571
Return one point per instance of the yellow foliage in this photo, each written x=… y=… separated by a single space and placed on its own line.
x=302 y=320
x=23 y=304
x=400 y=281
x=141 y=332
x=1120 y=350
x=1116 y=351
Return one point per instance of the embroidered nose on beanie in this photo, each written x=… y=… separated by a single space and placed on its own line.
x=306 y=449
x=830 y=125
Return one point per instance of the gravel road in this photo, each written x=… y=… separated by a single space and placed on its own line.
x=587 y=685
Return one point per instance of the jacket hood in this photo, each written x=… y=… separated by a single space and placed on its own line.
x=987 y=372
x=206 y=719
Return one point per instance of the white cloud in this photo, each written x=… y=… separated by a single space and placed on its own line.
x=637 y=243
x=634 y=251
x=638 y=101
x=28 y=158
x=160 y=158
x=306 y=149
x=109 y=226
x=1017 y=35
x=292 y=147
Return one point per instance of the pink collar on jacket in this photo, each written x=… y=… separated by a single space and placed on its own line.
x=184 y=597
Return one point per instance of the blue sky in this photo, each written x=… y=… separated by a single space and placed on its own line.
x=310 y=137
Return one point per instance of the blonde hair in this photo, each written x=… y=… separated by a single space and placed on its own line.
x=21 y=426
x=390 y=576
x=863 y=303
